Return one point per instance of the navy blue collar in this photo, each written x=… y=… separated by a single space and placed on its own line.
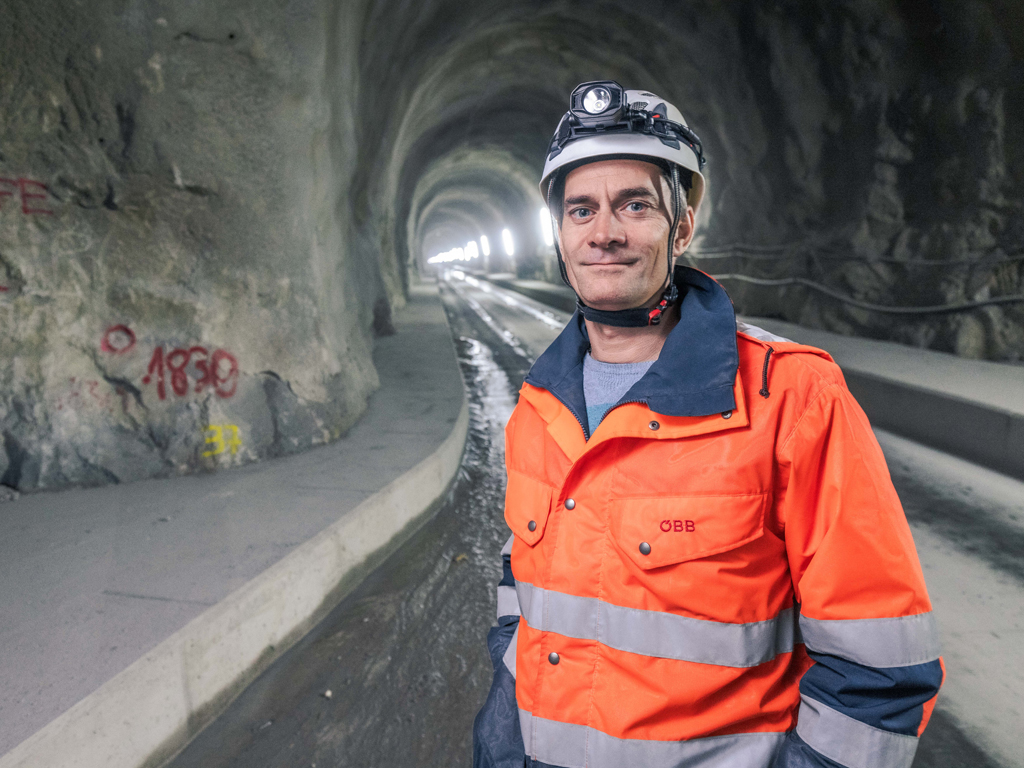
x=693 y=376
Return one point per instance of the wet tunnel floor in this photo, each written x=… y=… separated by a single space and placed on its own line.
x=404 y=656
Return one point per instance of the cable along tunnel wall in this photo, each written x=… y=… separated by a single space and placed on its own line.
x=208 y=211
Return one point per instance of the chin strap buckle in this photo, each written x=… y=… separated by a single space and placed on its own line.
x=668 y=298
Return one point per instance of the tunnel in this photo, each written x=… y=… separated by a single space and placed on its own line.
x=210 y=212
x=272 y=275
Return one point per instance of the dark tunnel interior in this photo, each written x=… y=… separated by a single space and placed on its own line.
x=265 y=181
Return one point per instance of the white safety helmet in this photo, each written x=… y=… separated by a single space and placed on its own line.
x=605 y=120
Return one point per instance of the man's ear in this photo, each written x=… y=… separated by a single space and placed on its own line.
x=684 y=232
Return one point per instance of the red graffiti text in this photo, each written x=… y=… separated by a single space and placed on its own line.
x=219 y=371
x=28 y=190
x=88 y=393
x=118 y=339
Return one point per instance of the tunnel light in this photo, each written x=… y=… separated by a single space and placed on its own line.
x=545 y=226
x=455 y=254
x=485 y=245
x=506 y=240
x=472 y=251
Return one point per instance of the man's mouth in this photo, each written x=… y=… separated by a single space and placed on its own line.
x=616 y=263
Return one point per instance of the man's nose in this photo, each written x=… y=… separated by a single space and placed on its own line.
x=607 y=231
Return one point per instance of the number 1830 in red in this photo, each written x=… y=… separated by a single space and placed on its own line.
x=219 y=371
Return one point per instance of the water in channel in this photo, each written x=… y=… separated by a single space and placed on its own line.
x=404 y=656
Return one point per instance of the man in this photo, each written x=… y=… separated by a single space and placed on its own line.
x=709 y=564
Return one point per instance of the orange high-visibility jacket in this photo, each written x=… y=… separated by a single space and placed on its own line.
x=720 y=575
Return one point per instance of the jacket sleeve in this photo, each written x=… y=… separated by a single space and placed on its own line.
x=497 y=739
x=865 y=616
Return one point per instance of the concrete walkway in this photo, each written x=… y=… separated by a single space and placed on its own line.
x=102 y=586
x=970 y=408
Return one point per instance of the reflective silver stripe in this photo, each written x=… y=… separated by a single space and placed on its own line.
x=510 y=654
x=897 y=642
x=507 y=549
x=758 y=333
x=850 y=742
x=508 y=602
x=655 y=633
x=578 y=746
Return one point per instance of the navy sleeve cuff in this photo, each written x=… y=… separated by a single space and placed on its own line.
x=497 y=739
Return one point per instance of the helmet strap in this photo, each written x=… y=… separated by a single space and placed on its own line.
x=637 y=317
x=558 y=251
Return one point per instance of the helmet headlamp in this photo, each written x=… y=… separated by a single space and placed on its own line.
x=596 y=100
x=599 y=102
x=600 y=107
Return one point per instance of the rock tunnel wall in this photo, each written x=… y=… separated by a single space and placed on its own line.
x=207 y=210
x=180 y=285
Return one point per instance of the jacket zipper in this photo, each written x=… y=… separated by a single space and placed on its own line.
x=579 y=421
x=586 y=432
x=624 y=402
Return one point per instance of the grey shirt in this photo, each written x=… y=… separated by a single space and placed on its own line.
x=604 y=384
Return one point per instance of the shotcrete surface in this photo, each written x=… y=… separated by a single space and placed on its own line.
x=94 y=578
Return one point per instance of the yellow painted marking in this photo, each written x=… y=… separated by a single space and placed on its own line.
x=217 y=438
x=234 y=441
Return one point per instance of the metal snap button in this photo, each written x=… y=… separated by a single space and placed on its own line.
x=655 y=426
x=570 y=504
x=532 y=525
x=726 y=414
x=553 y=658
x=645 y=548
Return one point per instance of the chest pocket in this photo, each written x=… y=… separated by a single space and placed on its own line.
x=655 y=532
x=527 y=504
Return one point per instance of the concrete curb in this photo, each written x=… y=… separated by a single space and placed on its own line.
x=151 y=710
x=985 y=435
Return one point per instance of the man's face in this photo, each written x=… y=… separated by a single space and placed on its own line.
x=617 y=215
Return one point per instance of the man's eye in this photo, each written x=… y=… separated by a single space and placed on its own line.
x=636 y=207
x=580 y=213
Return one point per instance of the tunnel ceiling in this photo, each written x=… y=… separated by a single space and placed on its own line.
x=821 y=123
x=495 y=86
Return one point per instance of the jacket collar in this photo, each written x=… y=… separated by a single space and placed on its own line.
x=694 y=374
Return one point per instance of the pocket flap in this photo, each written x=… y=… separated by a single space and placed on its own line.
x=527 y=501
x=680 y=528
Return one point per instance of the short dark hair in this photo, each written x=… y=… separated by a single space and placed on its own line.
x=557 y=198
